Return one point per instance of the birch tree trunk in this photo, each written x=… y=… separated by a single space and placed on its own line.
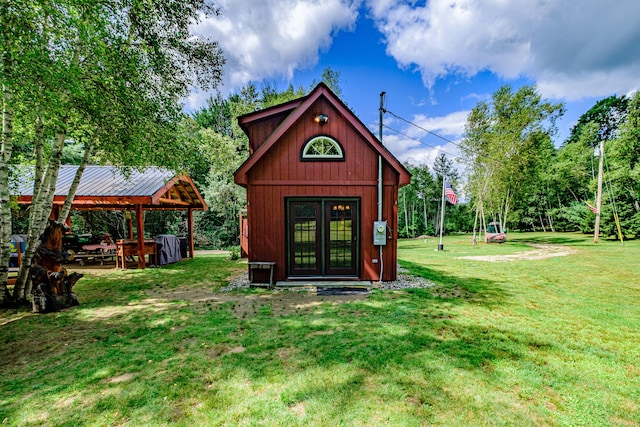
x=475 y=224
x=40 y=210
x=484 y=221
x=413 y=219
x=424 y=212
x=5 y=196
x=544 y=230
x=66 y=208
x=39 y=153
x=503 y=220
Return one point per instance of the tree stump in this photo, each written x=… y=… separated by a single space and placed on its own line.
x=51 y=284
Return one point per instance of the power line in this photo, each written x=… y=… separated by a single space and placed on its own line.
x=421 y=128
x=421 y=142
x=480 y=156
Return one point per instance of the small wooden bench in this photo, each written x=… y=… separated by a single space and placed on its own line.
x=262 y=265
x=129 y=248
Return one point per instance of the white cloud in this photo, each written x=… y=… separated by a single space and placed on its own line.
x=571 y=48
x=273 y=39
x=451 y=125
x=416 y=146
x=427 y=155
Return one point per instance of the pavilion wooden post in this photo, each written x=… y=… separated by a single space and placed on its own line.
x=55 y=215
x=140 y=235
x=55 y=212
x=129 y=224
x=190 y=232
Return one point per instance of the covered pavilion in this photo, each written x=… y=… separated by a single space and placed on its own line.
x=130 y=190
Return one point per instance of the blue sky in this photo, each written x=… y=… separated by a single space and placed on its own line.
x=435 y=59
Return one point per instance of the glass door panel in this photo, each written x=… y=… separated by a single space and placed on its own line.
x=304 y=232
x=341 y=241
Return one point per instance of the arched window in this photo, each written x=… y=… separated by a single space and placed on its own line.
x=322 y=148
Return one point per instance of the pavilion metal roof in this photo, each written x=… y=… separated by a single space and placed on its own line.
x=104 y=187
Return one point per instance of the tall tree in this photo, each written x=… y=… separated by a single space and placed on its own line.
x=607 y=114
x=507 y=142
x=118 y=68
x=622 y=177
x=573 y=172
x=332 y=78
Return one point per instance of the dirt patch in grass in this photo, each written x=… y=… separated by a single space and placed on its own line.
x=299 y=409
x=539 y=252
x=223 y=349
x=120 y=378
x=278 y=302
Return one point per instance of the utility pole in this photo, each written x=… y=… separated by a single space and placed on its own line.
x=596 y=232
x=441 y=246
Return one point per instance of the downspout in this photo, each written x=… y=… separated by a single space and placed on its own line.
x=380 y=182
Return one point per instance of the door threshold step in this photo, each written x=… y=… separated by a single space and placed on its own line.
x=324 y=284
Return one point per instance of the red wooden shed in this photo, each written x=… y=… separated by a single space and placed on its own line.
x=313 y=180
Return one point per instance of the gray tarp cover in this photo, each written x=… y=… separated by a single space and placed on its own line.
x=168 y=247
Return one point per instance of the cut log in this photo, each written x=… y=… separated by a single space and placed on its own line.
x=51 y=284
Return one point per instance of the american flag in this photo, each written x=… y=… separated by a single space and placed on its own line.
x=451 y=196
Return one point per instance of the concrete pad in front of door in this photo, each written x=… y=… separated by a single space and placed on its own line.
x=282 y=284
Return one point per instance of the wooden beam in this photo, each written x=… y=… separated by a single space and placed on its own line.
x=183 y=191
x=190 y=232
x=140 y=235
x=55 y=212
x=129 y=218
x=173 y=201
x=185 y=181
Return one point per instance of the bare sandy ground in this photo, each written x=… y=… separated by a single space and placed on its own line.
x=539 y=252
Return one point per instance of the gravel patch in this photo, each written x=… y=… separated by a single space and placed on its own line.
x=241 y=281
x=404 y=281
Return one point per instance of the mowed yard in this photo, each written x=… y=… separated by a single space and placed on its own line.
x=543 y=330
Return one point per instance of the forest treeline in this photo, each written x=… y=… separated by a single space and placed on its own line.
x=511 y=169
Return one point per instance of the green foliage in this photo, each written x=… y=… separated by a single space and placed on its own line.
x=573 y=217
x=88 y=69
x=606 y=115
x=234 y=253
x=507 y=148
x=419 y=202
x=331 y=78
x=573 y=173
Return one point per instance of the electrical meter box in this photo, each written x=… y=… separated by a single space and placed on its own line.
x=380 y=233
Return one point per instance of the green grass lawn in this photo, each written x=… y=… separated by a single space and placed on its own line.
x=543 y=341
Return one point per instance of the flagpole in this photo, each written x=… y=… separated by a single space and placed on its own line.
x=441 y=246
